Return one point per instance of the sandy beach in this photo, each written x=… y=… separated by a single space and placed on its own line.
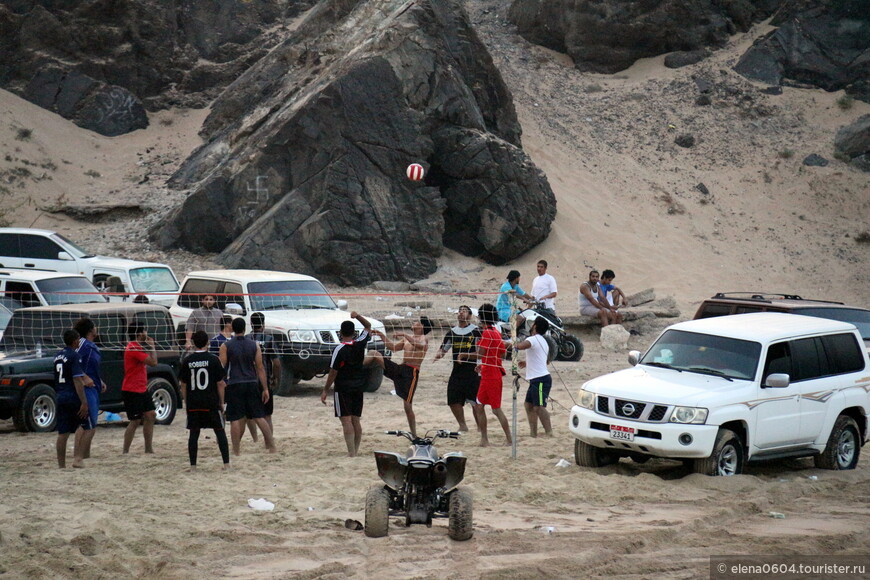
x=628 y=199
x=137 y=515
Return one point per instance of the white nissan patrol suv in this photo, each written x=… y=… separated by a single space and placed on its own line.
x=719 y=392
x=299 y=313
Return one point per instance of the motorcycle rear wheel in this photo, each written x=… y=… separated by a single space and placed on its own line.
x=377 y=512
x=461 y=525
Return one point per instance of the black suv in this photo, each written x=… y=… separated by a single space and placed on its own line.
x=34 y=335
x=725 y=303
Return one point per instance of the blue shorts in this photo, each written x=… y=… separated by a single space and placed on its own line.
x=93 y=397
x=539 y=391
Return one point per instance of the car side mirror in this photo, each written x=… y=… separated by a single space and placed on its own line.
x=777 y=380
x=233 y=309
x=342 y=304
x=633 y=357
x=64 y=256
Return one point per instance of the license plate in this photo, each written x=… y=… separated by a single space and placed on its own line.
x=622 y=433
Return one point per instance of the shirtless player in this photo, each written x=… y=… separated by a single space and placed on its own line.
x=406 y=375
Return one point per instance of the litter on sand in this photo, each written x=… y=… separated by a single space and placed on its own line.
x=562 y=463
x=777 y=515
x=261 y=505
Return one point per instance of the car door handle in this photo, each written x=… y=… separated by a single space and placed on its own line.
x=29 y=265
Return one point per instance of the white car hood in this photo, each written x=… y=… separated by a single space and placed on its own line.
x=666 y=386
x=314 y=319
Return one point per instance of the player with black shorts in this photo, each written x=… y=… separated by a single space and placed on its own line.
x=247 y=390
x=270 y=361
x=73 y=411
x=461 y=341
x=202 y=388
x=348 y=372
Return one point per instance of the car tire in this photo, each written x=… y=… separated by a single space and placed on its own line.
x=843 y=448
x=165 y=400
x=728 y=457
x=38 y=410
x=377 y=512
x=460 y=515
x=570 y=348
x=586 y=455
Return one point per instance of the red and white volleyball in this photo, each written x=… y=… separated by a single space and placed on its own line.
x=415 y=172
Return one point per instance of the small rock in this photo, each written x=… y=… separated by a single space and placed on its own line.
x=614 y=337
x=702 y=188
x=685 y=140
x=814 y=160
x=703 y=100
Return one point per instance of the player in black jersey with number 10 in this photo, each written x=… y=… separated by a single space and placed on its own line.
x=202 y=388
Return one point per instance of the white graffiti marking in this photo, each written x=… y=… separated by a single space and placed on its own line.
x=248 y=210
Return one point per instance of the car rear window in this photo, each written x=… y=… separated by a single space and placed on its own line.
x=710 y=310
x=856 y=316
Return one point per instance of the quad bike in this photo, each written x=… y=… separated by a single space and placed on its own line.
x=420 y=485
x=567 y=346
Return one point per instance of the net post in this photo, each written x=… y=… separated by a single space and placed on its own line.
x=515 y=373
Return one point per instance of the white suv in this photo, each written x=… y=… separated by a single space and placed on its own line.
x=723 y=391
x=33 y=249
x=22 y=289
x=298 y=311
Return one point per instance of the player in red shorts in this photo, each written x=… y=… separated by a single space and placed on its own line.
x=490 y=351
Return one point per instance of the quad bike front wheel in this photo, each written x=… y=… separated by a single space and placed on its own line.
x=461 y=526
x=377 y=512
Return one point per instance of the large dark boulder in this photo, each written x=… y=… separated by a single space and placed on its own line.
x=165 y=52
x=852 y=143
x=304 y=165
x=610 y=35
x=102 y=108
x=815 y=45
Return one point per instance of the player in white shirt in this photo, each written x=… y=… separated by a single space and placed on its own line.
x=538 y=376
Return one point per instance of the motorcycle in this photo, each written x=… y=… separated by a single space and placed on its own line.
x=420 y=485
x=563 y=346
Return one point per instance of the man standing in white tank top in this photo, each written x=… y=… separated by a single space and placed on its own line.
x=538 y=376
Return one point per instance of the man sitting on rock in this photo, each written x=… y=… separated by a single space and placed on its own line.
x=614 y=297
x=593 y=302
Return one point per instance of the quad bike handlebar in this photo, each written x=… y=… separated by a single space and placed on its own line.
x=427 y=439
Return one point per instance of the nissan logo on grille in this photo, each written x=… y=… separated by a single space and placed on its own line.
x=628 y=409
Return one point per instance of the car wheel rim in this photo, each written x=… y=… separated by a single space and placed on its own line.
x=728 y=461
x=43 y=411
x=846 y=448
x=162 y=404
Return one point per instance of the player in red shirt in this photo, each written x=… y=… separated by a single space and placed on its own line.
x=490 y=351
x=137 y=402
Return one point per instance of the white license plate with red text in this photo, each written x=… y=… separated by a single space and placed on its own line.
x=622 y=433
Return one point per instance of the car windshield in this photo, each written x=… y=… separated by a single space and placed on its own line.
x=70 y=290
x=153 y=279
x=71 y=247
x=856 y=316
x=289 y=295
x=704 y=354
x=5 y=315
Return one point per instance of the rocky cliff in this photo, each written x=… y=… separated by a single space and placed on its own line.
x=610 y=35
x=102 y=63
x=821 y=44
x=304 y=168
